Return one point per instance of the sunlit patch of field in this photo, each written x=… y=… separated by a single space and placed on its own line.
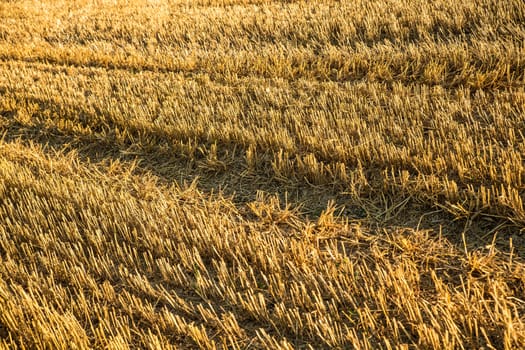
x=262 y=174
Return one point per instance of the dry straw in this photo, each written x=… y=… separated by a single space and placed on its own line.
x=262 y=174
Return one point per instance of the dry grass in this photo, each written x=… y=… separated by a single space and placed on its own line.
x=262 y=174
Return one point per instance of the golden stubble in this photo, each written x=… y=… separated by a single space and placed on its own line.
x=262 y=174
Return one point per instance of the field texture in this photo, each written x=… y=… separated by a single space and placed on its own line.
x=248 y=174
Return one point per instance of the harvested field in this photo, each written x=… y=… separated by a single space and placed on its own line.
x=257 y=174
